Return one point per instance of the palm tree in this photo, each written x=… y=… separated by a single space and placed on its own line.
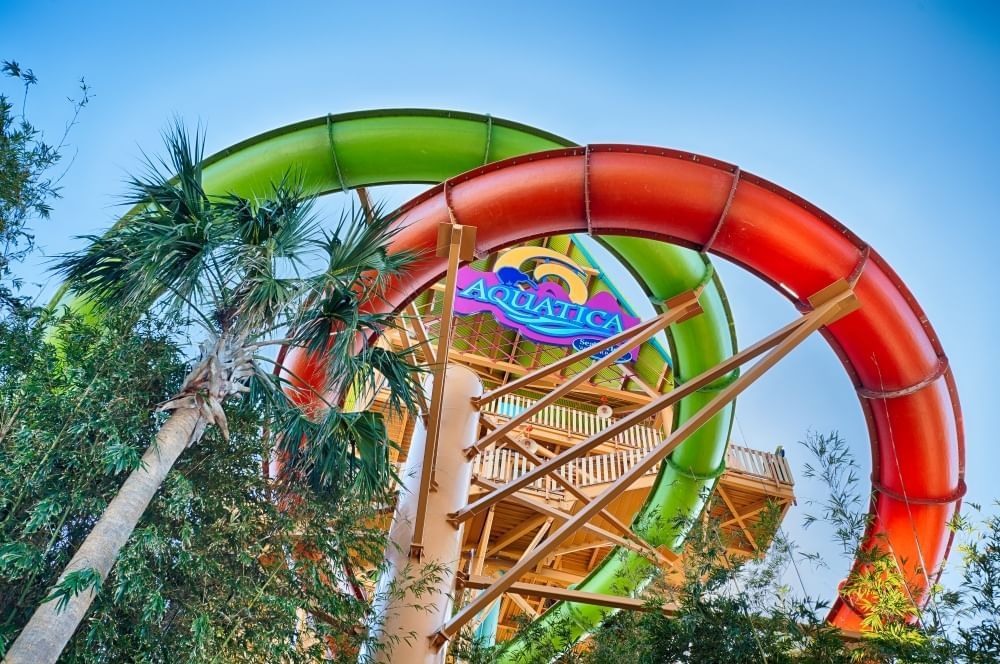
x=250 y=274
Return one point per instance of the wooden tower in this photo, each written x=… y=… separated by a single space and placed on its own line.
x=499 y=537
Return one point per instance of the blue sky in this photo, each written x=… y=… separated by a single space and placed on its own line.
x=884 y=114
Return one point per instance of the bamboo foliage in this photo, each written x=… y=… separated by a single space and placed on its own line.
x=241 y=271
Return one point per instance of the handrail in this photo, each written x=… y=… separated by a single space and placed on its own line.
x=573 y=421
x=503 y=465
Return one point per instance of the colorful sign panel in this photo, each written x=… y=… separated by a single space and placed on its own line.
x=556 y=311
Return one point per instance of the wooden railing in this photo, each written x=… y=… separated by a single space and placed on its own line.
x=504 y=465
x=576 y=423
x=770 y=466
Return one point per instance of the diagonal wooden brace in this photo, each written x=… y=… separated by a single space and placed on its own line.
x=561 y=516
x=478 y=582
x=662 y=558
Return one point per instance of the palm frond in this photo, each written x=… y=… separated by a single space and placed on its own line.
x=238 y=263
x=340 y=452
x=341 y=319
x=271 y=239
x=282 y=226
x=358 y=250
x=376 y=368
x=164 y=245
x=328 y=328
x=172 y=184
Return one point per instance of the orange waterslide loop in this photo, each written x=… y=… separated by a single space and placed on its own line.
x=737 y=173
x=955 y=496
x=674 y=196
x=871 y=541
x=846 y=602
x=803 y=306
x=939 y=370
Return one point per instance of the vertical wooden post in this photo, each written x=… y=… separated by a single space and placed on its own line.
x=458 y=243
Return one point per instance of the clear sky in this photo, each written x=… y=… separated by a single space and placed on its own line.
x=884 y=114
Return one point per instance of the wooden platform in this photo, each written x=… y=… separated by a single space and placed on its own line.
x=755 y=483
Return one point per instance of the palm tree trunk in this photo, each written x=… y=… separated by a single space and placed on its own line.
x=47 y=633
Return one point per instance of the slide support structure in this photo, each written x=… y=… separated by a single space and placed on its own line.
x=828 y=305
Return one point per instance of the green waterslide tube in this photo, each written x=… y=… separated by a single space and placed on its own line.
x=371 y=148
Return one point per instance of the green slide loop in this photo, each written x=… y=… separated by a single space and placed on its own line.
x=371 y=148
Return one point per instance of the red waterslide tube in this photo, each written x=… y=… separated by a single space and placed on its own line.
x=888 y=347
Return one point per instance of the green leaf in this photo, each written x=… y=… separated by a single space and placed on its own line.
x=72 y=585
x=120 y=457
x=18 y=558
x=42 y=513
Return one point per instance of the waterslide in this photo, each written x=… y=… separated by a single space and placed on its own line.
x=339 y=152
x=888 y=347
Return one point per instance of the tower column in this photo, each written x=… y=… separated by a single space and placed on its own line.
x=414 y=596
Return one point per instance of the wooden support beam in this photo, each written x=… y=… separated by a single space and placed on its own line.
x=484 y=540
x=682 y=307
x=663 y=376
x=563 y=439
x=558 y=514
x=661 y=418
x=685 y=308
x=738 y=479
x=576 y=548
x=739 y=520
x=599 y=599
x=404 y=340
x=829 y=305
x=366 y=203
x=457 y=242
x=566 y=595
x=545 y=452
x=420 y=331
x=516 y=534
x=546 y=574
x=523 y=605
x=646 y=387
x=537 y=539
x=752 y=513
x=583 y=498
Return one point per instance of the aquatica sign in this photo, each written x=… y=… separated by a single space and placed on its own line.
x=548 y=305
